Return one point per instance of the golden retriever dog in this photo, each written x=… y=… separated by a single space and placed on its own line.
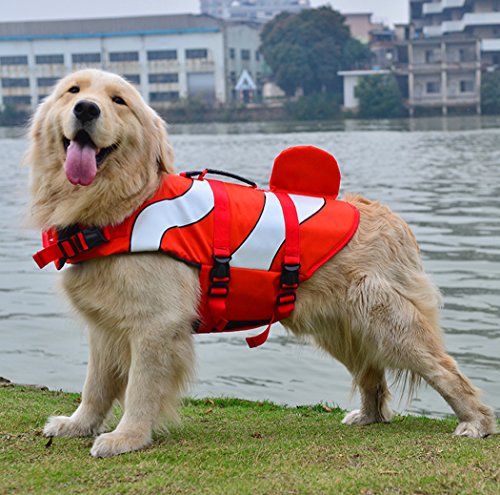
x=371 y=306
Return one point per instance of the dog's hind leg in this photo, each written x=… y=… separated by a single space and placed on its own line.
x=368 y=375
x=161 y=365
x=375 y=398
x=104 y=383
x=409 y=338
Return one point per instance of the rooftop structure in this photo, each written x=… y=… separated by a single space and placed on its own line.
x=251 y=10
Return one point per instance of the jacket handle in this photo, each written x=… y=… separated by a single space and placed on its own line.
x=201 y=174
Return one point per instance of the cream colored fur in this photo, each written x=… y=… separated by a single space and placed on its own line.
x=372 y=307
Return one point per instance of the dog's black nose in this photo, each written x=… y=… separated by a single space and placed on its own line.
x=86 y=111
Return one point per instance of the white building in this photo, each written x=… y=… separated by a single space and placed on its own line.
x=251 y=10
x=166 y=57
x=450 y=42
x=351 y=80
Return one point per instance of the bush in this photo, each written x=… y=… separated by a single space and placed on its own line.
x=320 y=106
x=490 y=93
x=379 y=97
x=10 y=116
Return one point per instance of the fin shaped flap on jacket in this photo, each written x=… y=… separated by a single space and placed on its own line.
x=306 y=170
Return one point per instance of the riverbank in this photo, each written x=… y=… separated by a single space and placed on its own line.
x=232 y=446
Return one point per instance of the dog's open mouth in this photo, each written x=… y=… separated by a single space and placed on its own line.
x=83 y=158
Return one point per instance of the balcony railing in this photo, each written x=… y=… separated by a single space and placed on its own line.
x=438 y=7
x=469 y=19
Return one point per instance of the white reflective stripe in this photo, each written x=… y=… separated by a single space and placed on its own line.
x=157 y=218
x=260 y=246
x=306 y=206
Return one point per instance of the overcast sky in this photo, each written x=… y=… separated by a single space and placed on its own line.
x=391 y=11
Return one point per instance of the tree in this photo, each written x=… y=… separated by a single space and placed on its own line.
x=490 y=93
x=379 y=97
x=306 y=50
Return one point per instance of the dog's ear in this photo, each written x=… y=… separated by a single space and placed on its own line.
x=163 y=148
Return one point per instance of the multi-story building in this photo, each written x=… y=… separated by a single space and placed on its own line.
x=166 y=57
x=376 y=35
x=450 y=42
x=251 y=10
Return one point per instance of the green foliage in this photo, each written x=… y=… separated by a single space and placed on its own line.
x=379 y=97
x=356 y=55
x=319 y=106
x=490 y=93
x=189 y=109
x=10 y=116
x=306 y=50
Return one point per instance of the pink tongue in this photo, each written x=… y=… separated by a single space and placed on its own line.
x=80 y=165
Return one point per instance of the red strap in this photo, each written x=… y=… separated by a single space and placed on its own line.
x=47 y=255
x=259 y=339
x=221 y=219
x=221 y=249
x=292 y=239
x=285 y=302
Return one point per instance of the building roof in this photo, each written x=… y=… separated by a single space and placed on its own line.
x=102 y=27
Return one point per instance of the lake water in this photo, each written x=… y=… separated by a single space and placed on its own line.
x=441 y=175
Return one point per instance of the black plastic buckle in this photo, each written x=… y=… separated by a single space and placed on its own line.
x=289 y=277
x=219 y=277
x=220 y=271
x=94 y=237
x=73 y=245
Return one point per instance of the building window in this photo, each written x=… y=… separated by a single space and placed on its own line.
x=162 y=55
x=133 y=78
x=86 y=58
x=15 y=82
x=197 y=53
x=467 y=86
x=41 y=98
x=466 y=55
x=433 y=87
x=17 y=100
x=124 y=57
x=232 y=76
x=49 y=59
x=14 y=60
x=429 y=56
x=163 y=96
x=257 y=56
x=43 y=82
x=163 y=78
x=245 y=54
x=232 y=53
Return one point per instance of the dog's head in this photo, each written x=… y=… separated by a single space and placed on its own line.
x=94 y=143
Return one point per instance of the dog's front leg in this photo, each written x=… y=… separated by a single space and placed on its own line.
x=105 y=382
x=161 y=364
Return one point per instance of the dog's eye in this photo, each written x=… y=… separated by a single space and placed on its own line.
x=118 y=100
x=74 y=89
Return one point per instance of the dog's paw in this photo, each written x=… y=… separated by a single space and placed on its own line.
x=473 y=429
x=64 y=426
x=114 y=443
x=357 y=418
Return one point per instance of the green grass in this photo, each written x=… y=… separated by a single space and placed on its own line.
x=231 y=446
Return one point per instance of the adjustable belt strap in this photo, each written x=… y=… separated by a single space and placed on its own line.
x=220 y=273
x=69 y=247
x=289 y=281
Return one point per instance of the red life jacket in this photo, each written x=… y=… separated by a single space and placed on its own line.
x=253 y=247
